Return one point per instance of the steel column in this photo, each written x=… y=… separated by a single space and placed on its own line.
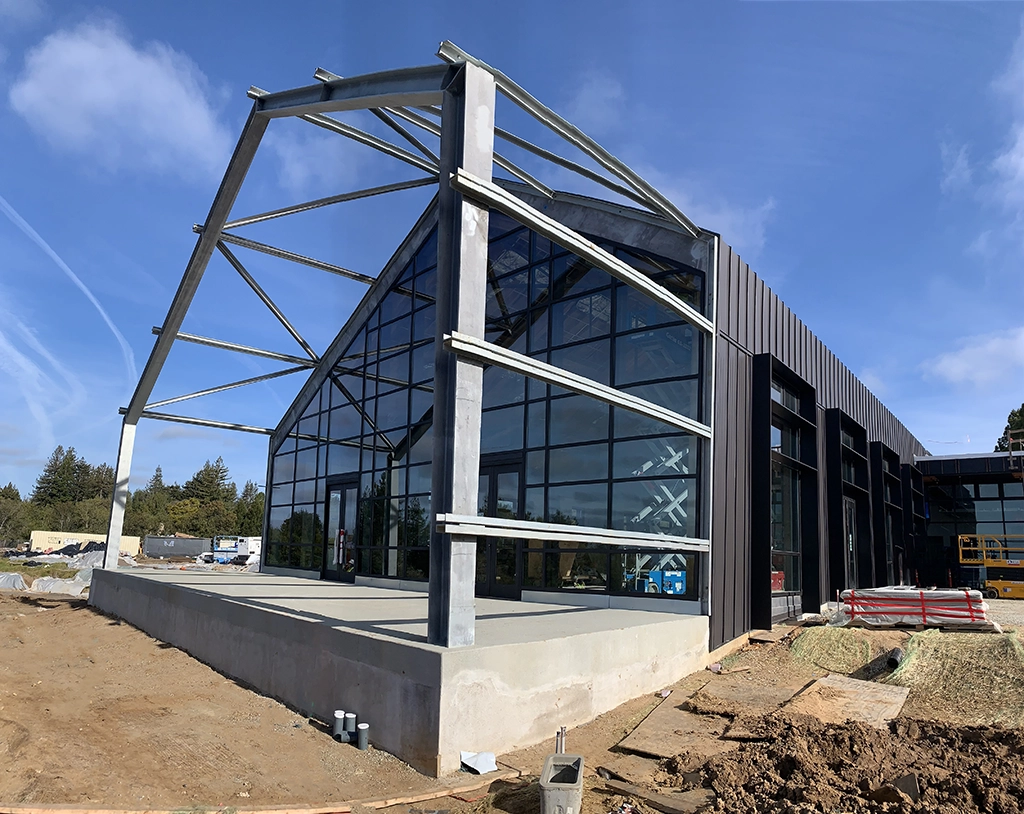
x=238 y=166
x=121 y=474
x=467 y=141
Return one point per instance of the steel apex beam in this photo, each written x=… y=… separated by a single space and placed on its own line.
x=421 y=86
x=451 y=53
x=239 y=165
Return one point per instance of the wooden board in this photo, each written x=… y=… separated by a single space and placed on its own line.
x=776 y=634
x=684 y=802
x=670 y=730
x=837 y=699
x=740 y=691
x=631 y=768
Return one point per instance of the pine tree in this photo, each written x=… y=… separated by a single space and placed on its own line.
x=249 y=511
x=1014 y=421
x=59 y=482
x=211 y=484
x=10 y=492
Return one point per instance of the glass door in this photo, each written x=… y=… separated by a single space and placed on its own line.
x=498 y=558
x=339 y=556
x=850 y=540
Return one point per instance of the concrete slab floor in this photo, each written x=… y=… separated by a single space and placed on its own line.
x=399 y=614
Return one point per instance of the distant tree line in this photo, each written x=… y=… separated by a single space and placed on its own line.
x=71 y=495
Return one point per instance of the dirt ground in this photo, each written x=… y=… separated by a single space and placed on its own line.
x=94 y=712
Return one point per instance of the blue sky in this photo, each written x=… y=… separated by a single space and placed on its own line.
x=866 y=158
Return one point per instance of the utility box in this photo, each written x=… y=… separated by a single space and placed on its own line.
x=561 y=785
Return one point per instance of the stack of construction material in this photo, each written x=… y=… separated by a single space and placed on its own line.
x=889 y=607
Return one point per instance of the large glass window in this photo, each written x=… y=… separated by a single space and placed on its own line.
x=584 y=463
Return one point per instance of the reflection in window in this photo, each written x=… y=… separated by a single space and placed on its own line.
x=582 y=466
x=784 y=396
x=785 y=527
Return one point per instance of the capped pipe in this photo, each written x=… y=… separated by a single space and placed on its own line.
x=339 y=724
x=350 y=722
x=363 y=737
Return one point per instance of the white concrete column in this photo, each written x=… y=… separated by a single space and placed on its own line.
x=117 y=504
x=467 y=140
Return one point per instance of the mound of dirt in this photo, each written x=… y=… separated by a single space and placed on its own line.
x=806 y=766
x=971 y=679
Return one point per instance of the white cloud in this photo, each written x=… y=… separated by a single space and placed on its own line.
x=872 y=381
x=597 y=104
x=21 y=11
x=1008 y=165
x=982 y=360
x=89 y=92
x=312 y=163
x=956 y=169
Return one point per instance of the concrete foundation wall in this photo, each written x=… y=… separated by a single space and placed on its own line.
x=313 y=668
x=423 y=703
x=504 y=698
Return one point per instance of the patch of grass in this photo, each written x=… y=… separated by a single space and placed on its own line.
x=59 y=570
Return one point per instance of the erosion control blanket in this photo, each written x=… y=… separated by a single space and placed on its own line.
x=13 y=582
x=51 y=585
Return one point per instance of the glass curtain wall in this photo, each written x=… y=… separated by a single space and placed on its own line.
x=584 y=463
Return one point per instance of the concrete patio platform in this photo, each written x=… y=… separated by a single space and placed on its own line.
x=321 y=646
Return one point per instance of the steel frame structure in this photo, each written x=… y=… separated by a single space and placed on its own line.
x=454 y=101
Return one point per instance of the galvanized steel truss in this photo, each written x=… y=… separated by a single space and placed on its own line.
x=454 y=102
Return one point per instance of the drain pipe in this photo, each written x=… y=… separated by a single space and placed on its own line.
x=363 y=737
x=339 y=725
x=895 y=657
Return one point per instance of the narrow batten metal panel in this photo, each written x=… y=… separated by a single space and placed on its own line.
x=724 y=293
x=756 y=320
x=737 y=296
x=751 y=307
x=722 y=589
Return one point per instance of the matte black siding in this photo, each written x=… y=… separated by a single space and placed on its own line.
x=752 y=320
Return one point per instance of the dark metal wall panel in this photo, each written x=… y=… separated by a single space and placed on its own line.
x=752 y=320
x=730 y=550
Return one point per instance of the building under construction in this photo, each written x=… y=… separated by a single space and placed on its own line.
x=583 y=414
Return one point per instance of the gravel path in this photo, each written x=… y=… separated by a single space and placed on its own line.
x=1007 y=611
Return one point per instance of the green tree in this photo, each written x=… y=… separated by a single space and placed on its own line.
x=59 y=482
x=97 y=481
x=210 y=484
x=184 y=515
x=249 y=511
x=13 y=519
x=1014 y=421
x=10 y=492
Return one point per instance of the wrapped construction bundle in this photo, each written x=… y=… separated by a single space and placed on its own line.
x=886 y=607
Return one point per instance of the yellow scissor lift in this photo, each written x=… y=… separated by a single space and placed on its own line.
x=999 y=560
